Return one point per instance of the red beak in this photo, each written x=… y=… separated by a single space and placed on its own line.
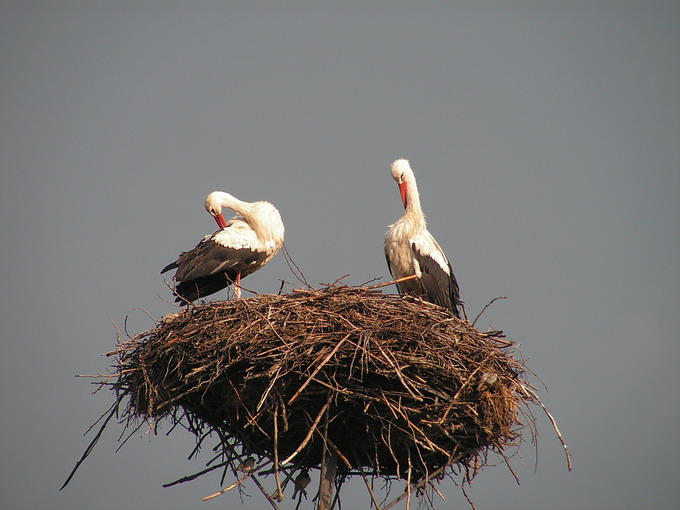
x=220 y=221
x=403 y=188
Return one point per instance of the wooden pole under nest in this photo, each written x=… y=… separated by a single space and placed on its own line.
x=329 y=465
x=328 y=468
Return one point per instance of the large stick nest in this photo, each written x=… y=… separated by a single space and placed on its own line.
x=395 y=386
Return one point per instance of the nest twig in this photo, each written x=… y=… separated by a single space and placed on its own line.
x=393 y=386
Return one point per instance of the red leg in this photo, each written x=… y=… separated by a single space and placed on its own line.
x=237 y=287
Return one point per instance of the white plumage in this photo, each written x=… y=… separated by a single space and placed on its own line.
x=410 y=249
x=240 y=247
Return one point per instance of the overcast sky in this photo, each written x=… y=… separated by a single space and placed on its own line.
x=545 y=137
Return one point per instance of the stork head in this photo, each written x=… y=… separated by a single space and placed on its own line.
x=214 y=203
x=402 y=173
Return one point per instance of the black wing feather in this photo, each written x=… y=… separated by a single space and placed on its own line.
x=211 y=267
x=439 y=287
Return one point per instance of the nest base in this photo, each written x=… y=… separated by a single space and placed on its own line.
x=395 y=386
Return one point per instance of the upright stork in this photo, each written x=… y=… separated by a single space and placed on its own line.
x=411 y=250
x=240 y=247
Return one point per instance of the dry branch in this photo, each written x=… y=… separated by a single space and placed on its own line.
x=407 y=390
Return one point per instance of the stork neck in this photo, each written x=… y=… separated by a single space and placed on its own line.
x=233 y=203
x=413 y=208
x=262 y=217
x=415 y=218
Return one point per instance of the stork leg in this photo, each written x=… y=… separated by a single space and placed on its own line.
x=237 y=286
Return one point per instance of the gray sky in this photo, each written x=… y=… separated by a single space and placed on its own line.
x=544 y=137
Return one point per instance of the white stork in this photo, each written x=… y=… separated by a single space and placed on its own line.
x=241 y=246
x=411 y=250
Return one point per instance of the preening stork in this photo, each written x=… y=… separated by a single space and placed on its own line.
x=411 y=250
x=240 y=247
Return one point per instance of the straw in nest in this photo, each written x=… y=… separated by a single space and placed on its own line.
x=395 y=387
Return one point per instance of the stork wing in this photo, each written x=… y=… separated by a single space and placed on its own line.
x=216 y=261
x=437 y=277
